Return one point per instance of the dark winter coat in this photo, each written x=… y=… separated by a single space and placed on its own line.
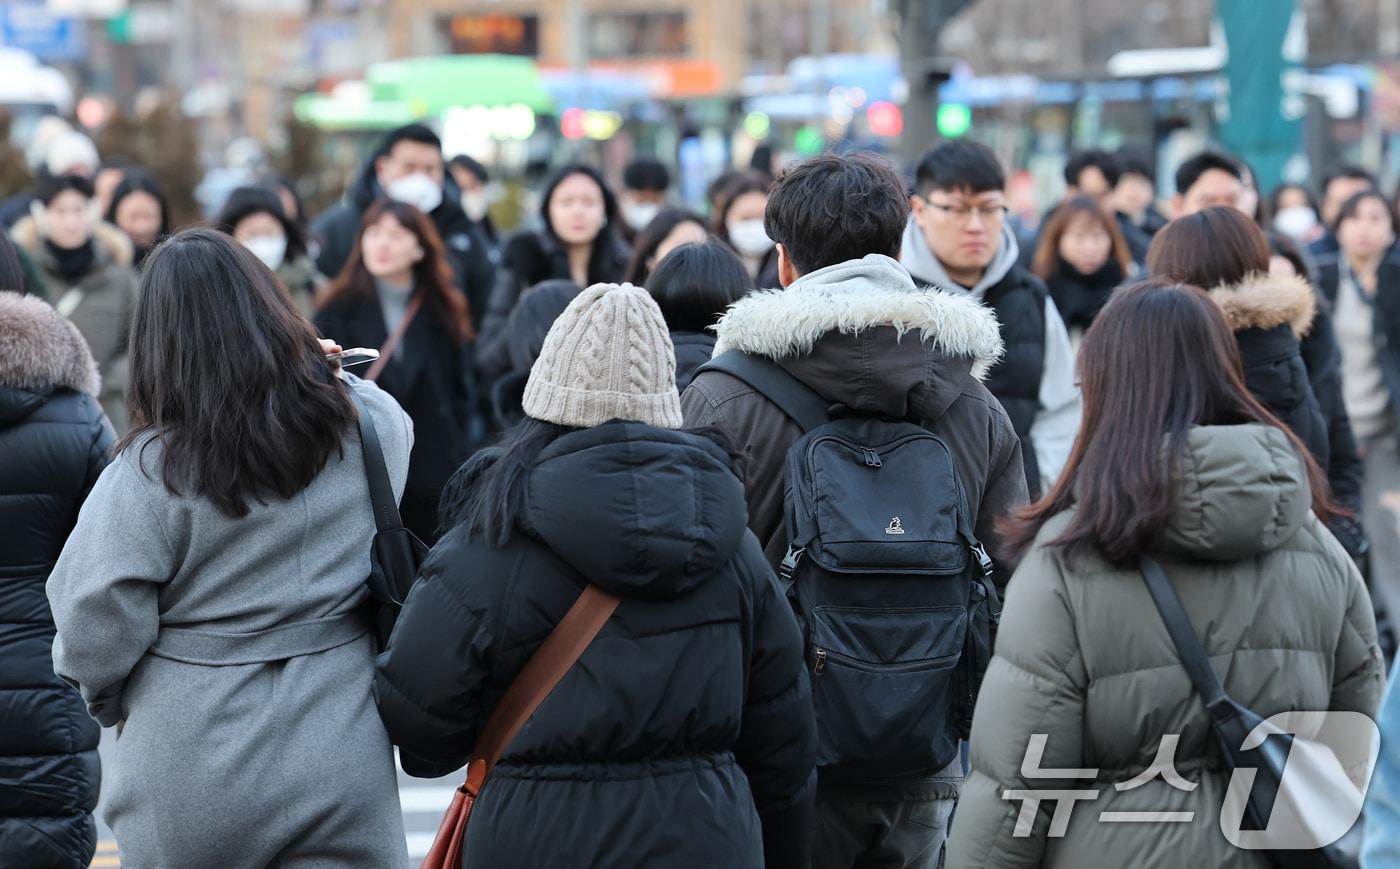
x=529 y=258
x=693 y=349
x=54 y=441
x=862 y=335
x=1083 y=657
x=468 y=250
x=684 y=736
x=1137 y=238
x=1079 y=297
x=103 y=304
x=1268 y=315
x=1387 y=314
x=1018 y=301
x=431 y=377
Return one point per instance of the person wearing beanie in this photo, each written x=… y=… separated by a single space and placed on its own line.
x=686 y=726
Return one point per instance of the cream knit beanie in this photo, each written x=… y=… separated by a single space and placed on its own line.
x=608 y=356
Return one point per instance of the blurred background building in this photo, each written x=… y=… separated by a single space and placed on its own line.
x=303 y=87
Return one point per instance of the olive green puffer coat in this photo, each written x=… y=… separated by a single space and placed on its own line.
x=1083 y=657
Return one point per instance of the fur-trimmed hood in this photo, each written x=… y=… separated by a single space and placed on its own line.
x=113 y=246
x=862 y=334
x=853 y=296
x=1263 y=301
x=40 y=350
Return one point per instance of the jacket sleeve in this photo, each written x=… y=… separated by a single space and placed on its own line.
x=1036 y=684
x=429 y=680
x=104 y=590
x=777 y=745
x=1382 y=841
x=1006 y=491
x=761 y=432
x=491 y=347
x=1323 y=359
x=1057 y=422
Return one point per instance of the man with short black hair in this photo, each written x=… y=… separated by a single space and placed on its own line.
x=1207 y=180
x=852 y=326
x=957 y=239
x=1135 y=197
x=1093 y=173
x=408 y=167
x=1338 y=185
x=645 y=183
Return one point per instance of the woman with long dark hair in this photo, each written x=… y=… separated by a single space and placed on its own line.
x=398 y=282
x=668 y=230
x=1273 y=319
x=256 y=217
x=738 y=220
x=1177 y=460
x=580 y=240
x=139 y=209
x=693 y=286
x=686 y=726
x=1083 y=258
x=209 y=601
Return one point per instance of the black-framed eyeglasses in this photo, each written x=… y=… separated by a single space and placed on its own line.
x=963 y=213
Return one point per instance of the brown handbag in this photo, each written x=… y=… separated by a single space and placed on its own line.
x=546 y=667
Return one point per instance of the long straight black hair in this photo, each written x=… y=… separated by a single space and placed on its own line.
x=228 y=377
x=487 y=494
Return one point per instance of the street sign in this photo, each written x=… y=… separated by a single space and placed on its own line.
x=31 y=27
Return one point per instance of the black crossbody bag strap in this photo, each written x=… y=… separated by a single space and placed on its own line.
x=1188 y=645
x=381 y=493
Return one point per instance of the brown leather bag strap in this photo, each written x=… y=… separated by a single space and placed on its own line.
x=395 y=338
x=546 y=667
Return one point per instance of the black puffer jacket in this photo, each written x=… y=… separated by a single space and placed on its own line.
x=1079 y=297
x=684 y=736
x=1269 y=315
x=54 y=441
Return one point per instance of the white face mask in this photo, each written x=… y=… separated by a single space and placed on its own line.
x=749 y=237
x=271 y=249
x=639 y=214
x=476 y=203
x=1295 y=221
x=418 y=190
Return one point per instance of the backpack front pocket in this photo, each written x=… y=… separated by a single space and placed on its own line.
x=883 y=687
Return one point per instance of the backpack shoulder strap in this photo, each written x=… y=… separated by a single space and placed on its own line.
x=793 y=397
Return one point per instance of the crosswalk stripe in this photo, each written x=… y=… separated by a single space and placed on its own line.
x=426 y=799
x=419 y=843
x=113 y=863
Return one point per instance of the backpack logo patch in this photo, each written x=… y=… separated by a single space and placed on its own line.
x=895 y=527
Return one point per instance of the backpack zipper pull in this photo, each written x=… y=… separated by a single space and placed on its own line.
x=872 y=459
x=820 y=666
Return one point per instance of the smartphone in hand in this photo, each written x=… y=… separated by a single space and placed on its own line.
x=353 y=356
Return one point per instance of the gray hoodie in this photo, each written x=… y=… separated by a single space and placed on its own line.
x=1057 y=421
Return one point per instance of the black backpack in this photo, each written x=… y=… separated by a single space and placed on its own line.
x=892 y=590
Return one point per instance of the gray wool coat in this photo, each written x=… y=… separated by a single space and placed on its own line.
x=232 y=657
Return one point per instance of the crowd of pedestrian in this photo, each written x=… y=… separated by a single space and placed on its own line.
x=868 y=473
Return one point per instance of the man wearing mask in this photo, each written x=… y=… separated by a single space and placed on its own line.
x=957 y=240
x=409 y=167
x=644 y=185
x=474 y=181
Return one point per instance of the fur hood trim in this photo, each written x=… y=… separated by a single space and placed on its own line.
x=851 y=297
x=1263 y=301
x=111 y=242
x=40 y=349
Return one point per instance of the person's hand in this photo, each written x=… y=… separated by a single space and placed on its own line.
x=328 y=347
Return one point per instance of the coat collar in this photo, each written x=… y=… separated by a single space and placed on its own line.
x=41 y=350
x=1263 y=301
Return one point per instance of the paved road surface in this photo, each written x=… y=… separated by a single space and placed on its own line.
x=424 y=801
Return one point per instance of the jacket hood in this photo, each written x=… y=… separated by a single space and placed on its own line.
x=112 y=244
x=862 y=334
x=919 y=258
x=1244 y=491
x=40 y=351
x=1264 y=301
x=640 y=511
